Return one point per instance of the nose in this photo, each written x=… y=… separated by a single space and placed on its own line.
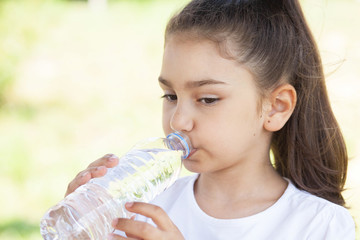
x=182 y=119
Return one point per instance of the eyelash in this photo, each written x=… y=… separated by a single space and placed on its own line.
x=206 y=100
x=169 y=97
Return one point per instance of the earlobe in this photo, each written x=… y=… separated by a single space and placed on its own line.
x=282 y=101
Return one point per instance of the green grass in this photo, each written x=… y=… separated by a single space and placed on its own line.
x=19 y=228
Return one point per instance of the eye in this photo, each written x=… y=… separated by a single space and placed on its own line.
x=208 y=100
x=170 y=97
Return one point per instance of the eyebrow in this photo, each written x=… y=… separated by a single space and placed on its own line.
x=193 y=84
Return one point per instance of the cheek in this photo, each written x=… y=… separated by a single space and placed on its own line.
x=166 y=117
x=235 y=124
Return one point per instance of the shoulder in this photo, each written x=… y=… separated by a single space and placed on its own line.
x=304 y=200
x=321 y=215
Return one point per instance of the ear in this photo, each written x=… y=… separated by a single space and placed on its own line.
x=282 y=102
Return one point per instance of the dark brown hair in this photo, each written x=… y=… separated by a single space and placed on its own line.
x=274 y=41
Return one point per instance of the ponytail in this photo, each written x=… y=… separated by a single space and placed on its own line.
x=310 y=149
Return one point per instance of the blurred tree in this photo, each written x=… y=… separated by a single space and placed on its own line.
x=18 y=35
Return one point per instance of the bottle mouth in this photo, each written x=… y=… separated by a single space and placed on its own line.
x=184 y=141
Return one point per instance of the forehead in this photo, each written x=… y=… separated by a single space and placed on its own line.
x=224 y=43
x=200 y=56
x=197 y=60
x=196 y=54
x=179 y=45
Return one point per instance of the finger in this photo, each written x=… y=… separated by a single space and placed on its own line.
x=157 y=214
x=95 y=169
x=80 y=179
x=128 y=235
x=109 y=161
x=113 y=236
x=136 y=229
x=84 y=176
x=94 y=172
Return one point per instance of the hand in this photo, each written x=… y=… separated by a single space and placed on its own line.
x=165 y=230
x=96 y=169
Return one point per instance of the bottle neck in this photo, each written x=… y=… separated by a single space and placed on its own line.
x=179 y=141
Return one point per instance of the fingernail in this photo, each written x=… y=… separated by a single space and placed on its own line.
x=114 y=222
x=84 y=174
x=129 y=204
x=112 y=158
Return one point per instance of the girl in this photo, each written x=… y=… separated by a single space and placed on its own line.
x=241 y=78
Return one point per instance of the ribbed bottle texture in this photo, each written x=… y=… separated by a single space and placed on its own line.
x=144 y=172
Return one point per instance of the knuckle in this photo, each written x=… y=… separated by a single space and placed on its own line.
x=145 y=229
x=158 y=210
x=95 y=163
x=98 y=171
x=79 y=174
x=90 y=170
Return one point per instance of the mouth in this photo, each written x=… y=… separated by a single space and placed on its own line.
x=191 y=153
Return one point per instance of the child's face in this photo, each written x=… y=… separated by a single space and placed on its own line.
x=215 y=102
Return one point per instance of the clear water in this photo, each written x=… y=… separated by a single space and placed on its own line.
x=88 y=212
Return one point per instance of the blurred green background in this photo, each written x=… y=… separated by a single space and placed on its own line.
x=78 y=79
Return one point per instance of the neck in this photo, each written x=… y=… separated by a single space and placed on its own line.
x=236 y=193
x=243 y=182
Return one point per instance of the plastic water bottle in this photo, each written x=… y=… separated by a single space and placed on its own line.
x=144 y=172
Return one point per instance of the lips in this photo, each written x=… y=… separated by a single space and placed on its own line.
x=191 y=153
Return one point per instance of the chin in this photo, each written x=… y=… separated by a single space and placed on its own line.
x=192 y=165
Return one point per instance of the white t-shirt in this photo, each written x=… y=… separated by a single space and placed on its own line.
x=296 y=215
